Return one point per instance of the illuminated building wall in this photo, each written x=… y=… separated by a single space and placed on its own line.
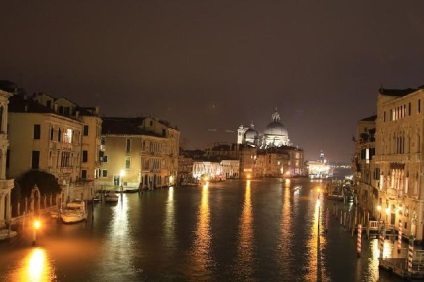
x=138 y=152
x=6 y=185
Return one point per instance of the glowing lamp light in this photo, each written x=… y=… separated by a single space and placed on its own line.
x=379 y=208
x=37 y=224
x=248 y=176
x=387 y=210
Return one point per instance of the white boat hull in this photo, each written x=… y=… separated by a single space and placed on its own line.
x=73 y=218
x=75 y=211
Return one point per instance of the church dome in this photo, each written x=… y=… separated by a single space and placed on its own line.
x=251 y=135
x=275 y=127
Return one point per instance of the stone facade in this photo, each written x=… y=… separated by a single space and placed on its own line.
x=388 y=161
x=138 y=153
x=6 y=185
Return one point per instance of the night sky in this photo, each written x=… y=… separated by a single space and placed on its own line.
x=206 y=65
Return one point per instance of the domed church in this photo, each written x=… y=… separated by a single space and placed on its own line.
x=274 y=135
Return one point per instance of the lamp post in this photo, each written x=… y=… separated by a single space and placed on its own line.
x=122 y=174
x=34 y=234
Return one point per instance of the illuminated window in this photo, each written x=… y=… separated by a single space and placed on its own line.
x=67 y=136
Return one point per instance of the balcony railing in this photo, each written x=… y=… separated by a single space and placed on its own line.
x=414 y=157
x=393 y=193
x=66 y=170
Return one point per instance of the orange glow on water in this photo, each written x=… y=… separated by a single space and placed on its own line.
x=245 y=245
x=201 y=249
x=35 y=267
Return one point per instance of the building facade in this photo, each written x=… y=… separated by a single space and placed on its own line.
x=390 y=178
x=47 y=134
x=6 y=184
x=138 y=153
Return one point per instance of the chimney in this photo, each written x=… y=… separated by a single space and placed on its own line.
x=77 y=114
x=56 y=107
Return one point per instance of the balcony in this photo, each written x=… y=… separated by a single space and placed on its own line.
x=398 y=158
x=6 y=184
x=66 y=170
x=393 y=193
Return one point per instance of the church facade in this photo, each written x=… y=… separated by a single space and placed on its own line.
x=273 y=154
x=274 y=135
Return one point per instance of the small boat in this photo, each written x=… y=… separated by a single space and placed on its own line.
x=96 y=197
x=7 y=234
x=54 y=213
x=128 y=189
x=111 y=197
x=74 y=211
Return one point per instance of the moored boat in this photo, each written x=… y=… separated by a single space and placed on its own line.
x=128 y=189
x=74 y=211
x=111 y=197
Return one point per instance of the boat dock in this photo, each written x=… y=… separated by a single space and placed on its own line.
x=399 y=267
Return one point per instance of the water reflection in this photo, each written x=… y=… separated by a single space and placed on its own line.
x=317 y=242
x=118 y=251
x=245 y=246
x=35 y=267
x=201 y=249
x=169 y=222
x=286 y=237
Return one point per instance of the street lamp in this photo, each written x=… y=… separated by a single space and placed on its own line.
x=122 y=174
x=34 y=234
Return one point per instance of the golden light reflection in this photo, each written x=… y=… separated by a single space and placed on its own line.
x=117 y=246
x=245 y=246
x=373 y=261
x=36 y=267
x=286 y=235
x=315 y=245
x=170 y=218
x=287 y=182
x=201 y=251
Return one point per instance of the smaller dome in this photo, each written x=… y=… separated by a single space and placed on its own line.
x=251 y=134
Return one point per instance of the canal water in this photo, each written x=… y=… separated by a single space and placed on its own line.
x=237 y=230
